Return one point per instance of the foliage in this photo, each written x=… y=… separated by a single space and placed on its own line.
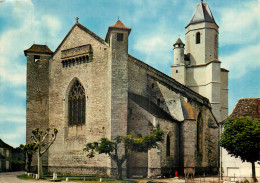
x=43 y=139
x=29 y=150
x=241 y=138
x=130 y=144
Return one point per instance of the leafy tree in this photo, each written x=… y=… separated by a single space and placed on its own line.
x=29 y=150
x=241 y=138
x=43 y=141
x=130 y=144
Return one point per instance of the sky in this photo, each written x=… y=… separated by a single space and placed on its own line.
x=155 y=24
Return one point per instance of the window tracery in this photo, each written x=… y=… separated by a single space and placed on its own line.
x=76 y=104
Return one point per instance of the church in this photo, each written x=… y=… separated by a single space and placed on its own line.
x=91 y=87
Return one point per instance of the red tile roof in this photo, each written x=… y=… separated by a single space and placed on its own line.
x=247 y=107
x=119 y=25
x=37 y=48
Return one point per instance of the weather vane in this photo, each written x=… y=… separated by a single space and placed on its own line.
x=77 y=19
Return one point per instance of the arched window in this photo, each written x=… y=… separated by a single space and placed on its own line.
x=168 y=145
x=198 y=38
x=77 y=104
x=200 y=134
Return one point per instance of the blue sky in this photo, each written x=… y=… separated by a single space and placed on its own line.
x=156 y=25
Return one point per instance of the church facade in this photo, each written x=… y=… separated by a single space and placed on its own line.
x=90 y=88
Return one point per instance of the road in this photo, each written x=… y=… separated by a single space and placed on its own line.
x=11 y=177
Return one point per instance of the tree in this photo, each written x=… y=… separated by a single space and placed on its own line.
x=41 y=140
x=130 y=144
x=241 y=138
x=29 y=150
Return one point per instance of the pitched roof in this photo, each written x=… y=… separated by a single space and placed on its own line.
x=247 y=107
x=202 y=13
x=118 y=25
x=179 y=41
x=4 y=145
x=37 y=48
x=187 y=109
x=84 y=29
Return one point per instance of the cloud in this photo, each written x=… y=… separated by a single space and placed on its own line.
x=17 y=38
x=16 y=115
x=242 y=61
x=240 y=25
x=28 y=26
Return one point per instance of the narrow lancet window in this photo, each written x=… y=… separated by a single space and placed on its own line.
x=76 y=104
x=168 y=145
x=198 y=38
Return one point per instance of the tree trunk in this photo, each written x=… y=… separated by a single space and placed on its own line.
x=39 y=165
x=253 y=172
x=119 y=171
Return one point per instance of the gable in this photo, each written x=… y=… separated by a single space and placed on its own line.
x=78 y=36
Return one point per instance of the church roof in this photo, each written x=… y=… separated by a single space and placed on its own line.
x=118 y=25
x=202 y=13
x=77 y=24
x=37 y=48
x=179 y=41
x=187 y=109
x=247 y=107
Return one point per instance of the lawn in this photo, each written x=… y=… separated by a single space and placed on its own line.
x=85 y=178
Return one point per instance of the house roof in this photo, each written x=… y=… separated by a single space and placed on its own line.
x=4 y=145
x=37 y=48
x=247 y=107
x=202 y=13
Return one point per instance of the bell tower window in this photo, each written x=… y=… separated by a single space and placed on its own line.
x=120 y=36
x=76 y=104
x=198 y=38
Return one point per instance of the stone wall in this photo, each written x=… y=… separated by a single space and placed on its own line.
x=67 y=150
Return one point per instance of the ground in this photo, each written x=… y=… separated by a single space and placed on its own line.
x=11 y=177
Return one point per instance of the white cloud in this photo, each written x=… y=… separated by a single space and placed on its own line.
x=16 y=137
x=14 y=115
x=242 y=61
x=13 y=41
x=240 y=25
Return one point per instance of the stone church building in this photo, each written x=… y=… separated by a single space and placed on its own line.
x=90 y=88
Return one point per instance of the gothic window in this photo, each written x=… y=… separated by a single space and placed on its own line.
x=198 y=38
x=77 y=104
x=200 y=134
x=168 y=145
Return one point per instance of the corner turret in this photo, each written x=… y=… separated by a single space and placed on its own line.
x=179 y=68
x=178 y=52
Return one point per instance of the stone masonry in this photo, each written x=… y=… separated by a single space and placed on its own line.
x=120 y=95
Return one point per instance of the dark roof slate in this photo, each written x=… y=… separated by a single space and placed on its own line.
x=4 y=145
x=179 y=41
x=202 y=13
x=247 y=107
x=37 y=48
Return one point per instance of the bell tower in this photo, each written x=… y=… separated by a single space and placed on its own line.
x=202 y=36
x=199 y=68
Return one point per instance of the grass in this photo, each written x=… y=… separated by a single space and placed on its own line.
x=25 y=177
x=85 y=178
